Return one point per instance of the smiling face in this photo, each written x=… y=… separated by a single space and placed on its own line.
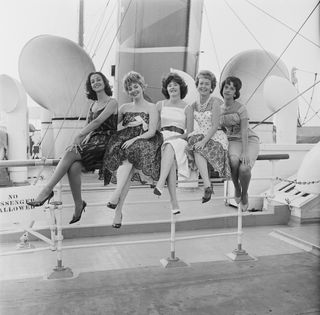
x=97 y=83
x=204 y=86
x=173 y=89
x=229 y=91
x=135 y=90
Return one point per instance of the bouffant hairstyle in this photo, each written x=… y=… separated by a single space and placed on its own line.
x=236 y=83
x=207 y=75
x=91 y=94
x=172 y=76
x=131 y=78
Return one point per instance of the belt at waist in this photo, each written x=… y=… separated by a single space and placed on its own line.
x=174 y=129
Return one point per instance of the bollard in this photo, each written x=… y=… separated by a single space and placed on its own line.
x=172 y=261
x=239 y=254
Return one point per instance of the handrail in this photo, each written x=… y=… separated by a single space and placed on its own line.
x=35 y=162
x=54 y=162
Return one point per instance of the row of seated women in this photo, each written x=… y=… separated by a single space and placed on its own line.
x=157 y=142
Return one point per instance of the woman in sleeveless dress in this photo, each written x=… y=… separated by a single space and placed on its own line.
x=207 y=143
x=88 y=147
x=137 y=147
x=243 y=142
x=175 y=124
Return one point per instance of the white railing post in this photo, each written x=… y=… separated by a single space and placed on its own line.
x=172 y=261
x=59 y=271
x=239 y=254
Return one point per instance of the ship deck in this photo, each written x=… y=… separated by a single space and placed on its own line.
x=111 y=276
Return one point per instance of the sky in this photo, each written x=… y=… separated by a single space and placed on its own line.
x=228 y=28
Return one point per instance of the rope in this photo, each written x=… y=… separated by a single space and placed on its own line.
x=282 y=23
x=311 y=97
x=103 y=32
x=290 y=42
x=94 y=34
x=296 y=182
x=115 y=36
x=285 y=105
x=261 y=46
x=212 y=40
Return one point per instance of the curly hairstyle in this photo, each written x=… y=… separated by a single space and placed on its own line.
x=207 y=75
x=172 y=76
x=133 y=77
x=236 y=83
x=91 y=94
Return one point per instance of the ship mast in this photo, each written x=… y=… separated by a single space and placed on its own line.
x=81 y=27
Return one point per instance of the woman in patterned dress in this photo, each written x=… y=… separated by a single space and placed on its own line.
x=243 y=142
x=88 y=147
x=136 y=148
x=175 y=125
x=207 y=143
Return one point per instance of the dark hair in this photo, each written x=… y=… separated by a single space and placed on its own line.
x=172 y=76
x=236 y=83
x=207 y=75
x=133 y=77
x=91 y=94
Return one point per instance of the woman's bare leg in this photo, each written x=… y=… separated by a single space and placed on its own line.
x=123 y=173
x=74 y=176
x=167 y=160
x=62 y=168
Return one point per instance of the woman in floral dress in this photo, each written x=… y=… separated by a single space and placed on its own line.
x=207 y=143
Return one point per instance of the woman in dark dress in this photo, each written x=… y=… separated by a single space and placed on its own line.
x=137 y=147
x=88 y=148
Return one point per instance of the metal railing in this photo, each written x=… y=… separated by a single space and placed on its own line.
x=55 y=219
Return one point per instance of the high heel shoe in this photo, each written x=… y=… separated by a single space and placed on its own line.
x=175 y=211
x=76 y=219
x=117 y=225
x=41 y=202
x=157 y=191
x=244 y=206
x=112 y=205
x=207 y=194
x=237 y=199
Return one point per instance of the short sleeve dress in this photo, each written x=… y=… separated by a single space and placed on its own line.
x=215 y=150
x=143 y=154
x=230 y=119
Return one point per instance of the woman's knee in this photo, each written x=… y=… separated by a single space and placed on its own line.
x=244 y=170
x=234 y=161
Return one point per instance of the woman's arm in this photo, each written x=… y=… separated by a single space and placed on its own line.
x=189 y=112
x=110 y=109
x=152 y=128
x=244 y=158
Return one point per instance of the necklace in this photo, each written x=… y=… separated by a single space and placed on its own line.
x=202 y=107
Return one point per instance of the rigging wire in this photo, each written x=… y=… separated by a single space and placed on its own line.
x=282 y=23
x=290 y=42
x=286 y=104
x=212 y=40
x=115 y=36
x=104 y=31
x=261 y=46
x=311 y=98
x=94 y=34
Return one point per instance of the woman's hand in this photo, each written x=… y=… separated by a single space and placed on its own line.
x=78 y=139
x=244 y=158
x=128 y=143
x=200 y=144
x=134 y=123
